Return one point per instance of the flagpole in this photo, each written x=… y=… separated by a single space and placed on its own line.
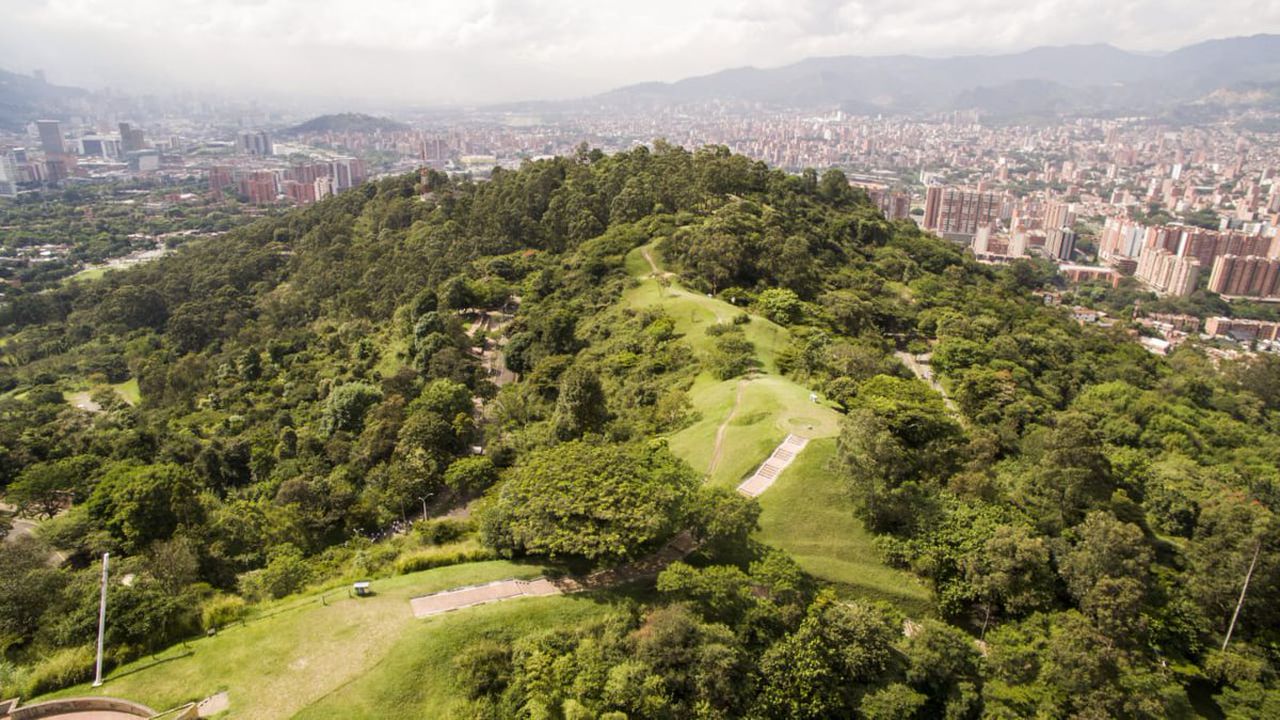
x=102 y=619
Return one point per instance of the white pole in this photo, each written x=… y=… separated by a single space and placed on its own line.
x=102 y=619
x=1239 y=603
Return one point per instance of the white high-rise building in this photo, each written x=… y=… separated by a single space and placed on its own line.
x=8 y=175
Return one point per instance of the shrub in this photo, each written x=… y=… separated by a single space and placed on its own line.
x=780 y=305
x=63 y=668
x=439 y=532
x=483 y=668
x=733 y=355
x=471 y=474
x=222 y=610
x=286 y=573
x=441 y=557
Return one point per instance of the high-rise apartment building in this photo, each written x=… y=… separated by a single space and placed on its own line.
x=1060 y=243
x=1245 y=276
x=959 y=211
x=256 y=143
x=1058 y=215
x=1168 y=273
x=8 y=175
x=51 y=138
x=131 y=139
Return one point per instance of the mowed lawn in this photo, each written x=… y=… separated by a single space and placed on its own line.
x=415 y=679
x=302 y=652
x=808 y=514
x=769 y=407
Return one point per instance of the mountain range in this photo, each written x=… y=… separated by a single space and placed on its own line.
x=1044 y=80
x=24 y=99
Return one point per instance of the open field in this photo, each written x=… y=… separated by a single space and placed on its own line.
x=808 y=514
x=301 y=651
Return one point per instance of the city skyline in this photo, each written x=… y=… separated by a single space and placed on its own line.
x=514 y=51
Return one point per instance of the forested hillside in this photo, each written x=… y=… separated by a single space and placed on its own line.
x=1084 y=513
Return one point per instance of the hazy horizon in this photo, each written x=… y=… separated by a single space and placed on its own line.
x=431 y=53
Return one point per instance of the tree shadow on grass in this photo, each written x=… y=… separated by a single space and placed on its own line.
x=154 y=662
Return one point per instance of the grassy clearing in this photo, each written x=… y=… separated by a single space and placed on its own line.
x=128 y=391
x=299 y=652
x=808 y=514
x=769 y=406
x=693 y=312
x=82 y=392
x=394 y=350
x=89 y=274
x=416 y=678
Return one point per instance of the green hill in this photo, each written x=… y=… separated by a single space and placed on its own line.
x=347 y=123
x=576 y=362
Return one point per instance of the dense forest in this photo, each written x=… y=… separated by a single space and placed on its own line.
x=1085 y=514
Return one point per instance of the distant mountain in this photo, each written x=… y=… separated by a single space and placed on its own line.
x=1042 y=80
x=24 y=99
x=347 y=122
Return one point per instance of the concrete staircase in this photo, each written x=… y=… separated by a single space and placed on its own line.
x=769 y=471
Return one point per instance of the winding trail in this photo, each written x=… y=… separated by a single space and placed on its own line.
x=919 y=365
x=718 y=449
x=657 y=271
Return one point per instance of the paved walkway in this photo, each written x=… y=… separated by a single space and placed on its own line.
x=464 y=597
x=773 y=467
x=919 y=364
x=470 y=596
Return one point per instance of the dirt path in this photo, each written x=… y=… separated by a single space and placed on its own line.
x=924 y=371
x=472 y=595
x=718 y=450
x=657 y=271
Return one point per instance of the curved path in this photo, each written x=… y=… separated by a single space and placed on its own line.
x=718 y=449
x=471 y=595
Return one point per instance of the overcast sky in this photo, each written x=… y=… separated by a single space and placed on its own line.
x=465 y=51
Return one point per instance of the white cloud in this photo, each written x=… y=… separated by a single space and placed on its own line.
x=483 y=50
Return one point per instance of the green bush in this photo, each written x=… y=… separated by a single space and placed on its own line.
x=286 y=573
x=439 y=532
x=441 y=557
x=222 y=610
x=471 y=474
x=63 y=668
x=733 y=355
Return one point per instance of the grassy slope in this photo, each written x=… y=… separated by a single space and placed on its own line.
x=415 y=678
x=808 y=513
x=770 y=406
x=276 y=666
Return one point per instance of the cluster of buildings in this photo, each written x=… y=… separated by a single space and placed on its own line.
x=301 y=184
x=56 y=157
x=247 y=167
x=1000 y=226
x=1171 y=258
